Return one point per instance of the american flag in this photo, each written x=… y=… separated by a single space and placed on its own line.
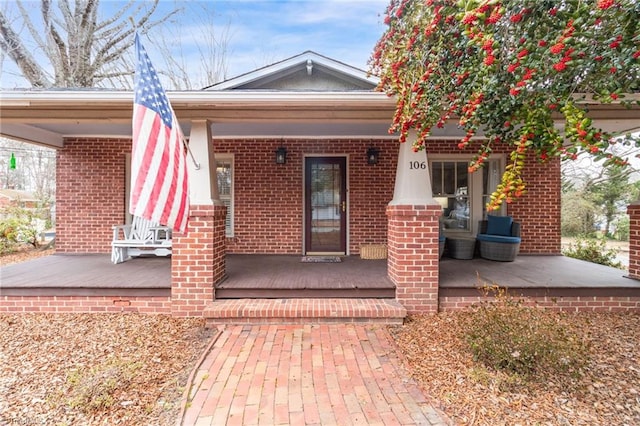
x=159 y=185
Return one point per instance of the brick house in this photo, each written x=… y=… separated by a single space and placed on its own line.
x=17 y=198
x=343 y=181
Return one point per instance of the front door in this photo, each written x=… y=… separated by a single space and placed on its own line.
x=325 y=205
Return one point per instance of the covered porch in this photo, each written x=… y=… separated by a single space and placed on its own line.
x=284 y=276
x=247 y=126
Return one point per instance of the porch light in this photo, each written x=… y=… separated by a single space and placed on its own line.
x=372 y=155
x=281 y=155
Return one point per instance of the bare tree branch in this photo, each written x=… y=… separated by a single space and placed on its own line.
x=35 y=33
x=209 y=65
x=81 y=51
x=12 y=45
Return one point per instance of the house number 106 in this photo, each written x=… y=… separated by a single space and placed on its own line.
x=416 y=165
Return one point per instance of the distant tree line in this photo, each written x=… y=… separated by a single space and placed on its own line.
x=594 y=201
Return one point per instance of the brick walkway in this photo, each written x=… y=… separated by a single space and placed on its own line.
x=326 y=374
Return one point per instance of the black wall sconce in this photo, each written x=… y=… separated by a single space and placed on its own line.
x=281 y=155
x=372 y=155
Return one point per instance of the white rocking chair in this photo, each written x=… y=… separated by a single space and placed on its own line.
x=142 y=237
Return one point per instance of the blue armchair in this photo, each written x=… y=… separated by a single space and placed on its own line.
x=499 y=238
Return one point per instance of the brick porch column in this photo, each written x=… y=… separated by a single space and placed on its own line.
x=198 y=261
x=633 y=210
x=412 y=234
x=413 y=255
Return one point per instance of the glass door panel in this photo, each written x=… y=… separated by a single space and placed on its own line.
x=326 y=205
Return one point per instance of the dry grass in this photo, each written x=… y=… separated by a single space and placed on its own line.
x=85 y=369
x=71 y=369
x=607 y=394
x=26 y=253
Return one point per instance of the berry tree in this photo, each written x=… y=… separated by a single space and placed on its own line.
x=508 y=69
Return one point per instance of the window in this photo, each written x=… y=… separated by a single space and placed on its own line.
x=462 y=195
x=450 y=185
x=224 y=171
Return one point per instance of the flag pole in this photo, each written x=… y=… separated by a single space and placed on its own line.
x=184 y=142
x=159 y=177
x=193 y=158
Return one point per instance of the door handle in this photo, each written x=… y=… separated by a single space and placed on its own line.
x=344 y=206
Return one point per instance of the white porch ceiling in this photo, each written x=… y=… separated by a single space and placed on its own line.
x=48 y=117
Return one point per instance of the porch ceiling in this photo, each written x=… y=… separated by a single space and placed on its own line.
x=47 y=117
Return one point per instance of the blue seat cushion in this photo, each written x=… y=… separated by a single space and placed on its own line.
x=499 y=225
x=441 y=238
x=498 y=239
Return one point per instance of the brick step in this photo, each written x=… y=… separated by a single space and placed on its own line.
x=305 y=293
x=296 y=311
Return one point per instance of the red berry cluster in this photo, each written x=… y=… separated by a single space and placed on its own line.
x=605 y=4
x=560 y=46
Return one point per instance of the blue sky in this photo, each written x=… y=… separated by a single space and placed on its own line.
x=274 y=30
x=262 y=32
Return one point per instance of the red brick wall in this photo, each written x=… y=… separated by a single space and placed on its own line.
x=90 y=193
x=413 y=256
x=566 y=304
x=539 y=209
x=633 y=210
x=86 y=304
x=269 y=197
x=198 y=262
x=163 y=305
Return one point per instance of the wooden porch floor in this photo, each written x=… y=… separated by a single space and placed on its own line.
x=248 y=276
x=285 y=277
x=86 y=275
x=535 y=276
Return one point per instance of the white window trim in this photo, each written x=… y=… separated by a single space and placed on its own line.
x=229 y=233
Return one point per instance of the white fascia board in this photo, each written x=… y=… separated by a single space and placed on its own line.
x=274 y=98
x=98 y=100
x=32 y=134
x=30 y=99
x=18 y=98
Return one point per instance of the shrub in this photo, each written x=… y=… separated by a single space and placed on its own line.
x=527 y=341
x=94 y=390
x=8 y=234
x=622 y=225
x=19 y=226
x=593 y=250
